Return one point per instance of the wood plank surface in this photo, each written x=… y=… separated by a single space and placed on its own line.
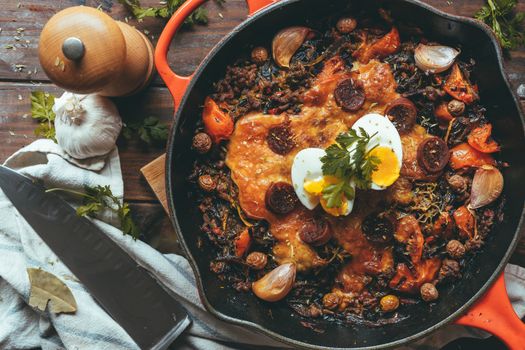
x=21 y=22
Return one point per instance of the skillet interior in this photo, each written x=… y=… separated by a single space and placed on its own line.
x=502 y=110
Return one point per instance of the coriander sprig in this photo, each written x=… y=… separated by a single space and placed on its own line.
x=350 y=161
x=95 y=199
x=42 y=110
x=150 y=131
x=501 y=16
x=167 y=8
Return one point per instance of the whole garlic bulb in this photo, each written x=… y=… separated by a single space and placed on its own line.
x=86 y=125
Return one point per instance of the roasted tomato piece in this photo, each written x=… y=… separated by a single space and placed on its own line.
x=280 y=198
x=409 y=281
x=242 y=243
x=442 y=114
x=316 y=231
x=409 y=233
x=378 y=228
x=217 y=123
x=280 y=139
x=402 y=113
x=349 y=95
x=480 y=139
x=433 y=155
x=382 y=47
x=443 y=226
x=465 y=222
x=458 y=87
x=465 y=156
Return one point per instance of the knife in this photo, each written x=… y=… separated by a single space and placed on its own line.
x=127 y=292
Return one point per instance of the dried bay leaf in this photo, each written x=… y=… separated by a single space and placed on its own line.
x=47 y=291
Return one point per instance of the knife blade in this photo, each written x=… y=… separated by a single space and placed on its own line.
x=128 y=293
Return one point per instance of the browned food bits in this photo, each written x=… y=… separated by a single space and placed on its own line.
x=207 y=183
x=456 y=108
x=455 y=249
x=259 y=55
x=316 y=231
x=433 y=155
x=280 y=198
x=450 y=270
x=280 y=139
x=389 y=303
x=378 y=228
x=201 y=142
x=349 y=95
x=429 y=292
x=346 y=25
x=331 y=300
x=257 y=260
x=458 y=183
x=402 y=113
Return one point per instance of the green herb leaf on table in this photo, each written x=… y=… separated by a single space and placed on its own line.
x=507 y=24
x=42 y=110
x=348 y=160
x=150 y=130
x=98 y=198
x=166 y=10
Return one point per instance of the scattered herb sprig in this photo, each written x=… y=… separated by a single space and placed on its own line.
x=150 y=130
x=96 y=199
x=42 y=110
x=350 y=161
x=199 y=16
x=506 y=23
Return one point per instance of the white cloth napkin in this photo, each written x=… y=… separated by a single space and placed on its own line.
x=90 y=327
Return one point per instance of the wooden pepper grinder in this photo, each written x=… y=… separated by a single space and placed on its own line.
x=83 y=50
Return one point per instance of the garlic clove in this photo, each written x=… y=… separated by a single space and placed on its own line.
x=287 y=42
x=434 y=58
x=276 y=284
x=487 y=186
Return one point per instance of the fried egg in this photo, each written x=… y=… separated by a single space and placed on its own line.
x=385 y=145
x=309 y=182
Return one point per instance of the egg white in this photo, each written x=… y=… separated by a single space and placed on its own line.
x=307 y=166
x=387 y=136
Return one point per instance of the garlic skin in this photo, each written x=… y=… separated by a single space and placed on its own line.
x=434 y=58
x=487 y=186
x=86 y=125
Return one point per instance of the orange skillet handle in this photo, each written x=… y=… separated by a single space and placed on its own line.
x=494 y=313
x=177 y=84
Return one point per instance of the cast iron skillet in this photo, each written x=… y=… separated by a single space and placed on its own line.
x=492 y=313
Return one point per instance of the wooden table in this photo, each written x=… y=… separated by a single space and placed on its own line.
x=20 y=73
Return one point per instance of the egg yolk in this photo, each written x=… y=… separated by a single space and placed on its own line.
x=316 y=187
x=388 y=170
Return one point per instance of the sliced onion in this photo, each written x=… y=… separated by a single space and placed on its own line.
x=486 y=186
x=276 y=284
x=287 y=42
x=434 y=58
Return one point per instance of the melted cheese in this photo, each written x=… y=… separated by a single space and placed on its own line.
x=254 y=167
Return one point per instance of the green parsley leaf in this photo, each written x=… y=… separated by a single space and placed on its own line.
x=150 y=131
x=96 y=199
x=348 y=160
x=199 y=16
x=42 y=110
x=506 y=23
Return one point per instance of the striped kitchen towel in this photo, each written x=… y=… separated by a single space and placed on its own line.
x=90 y=327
